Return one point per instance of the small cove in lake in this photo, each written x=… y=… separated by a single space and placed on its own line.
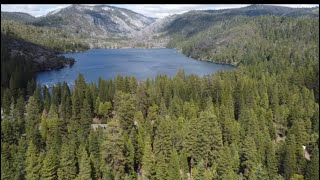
x=138 y=62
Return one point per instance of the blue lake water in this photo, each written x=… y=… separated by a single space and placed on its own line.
x=141 y=63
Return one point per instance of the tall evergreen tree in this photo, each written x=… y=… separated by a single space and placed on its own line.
x=161 y=167
x=32 y=121
x=290 y=157
x=248 y=156
x=312 y=170
x=84 y=166
x=32 y=162
x=148 y=160
x=67 y=167
x=125 y=109
x=112 y=149
x=19 y=160
x=271 y=160
x=50 y=165
x=174 y=166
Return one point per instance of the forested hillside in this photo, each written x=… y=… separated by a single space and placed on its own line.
x=259 y=121
x=18 y=16
x=247 y=40
x=229 y=40
x=51 y=38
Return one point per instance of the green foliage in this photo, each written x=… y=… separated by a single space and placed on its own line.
x=174 y=166
x=32 y=162
x=290 y=157
x=104 y=108
x=250 y=123
x=67 y=166
x=32 y=121
x=50 y=165
x=312 y=170
x=84 y=166
x=148 y=160
x=48 y=37
x=249 y=156
x=125 y=109
x=112 y=149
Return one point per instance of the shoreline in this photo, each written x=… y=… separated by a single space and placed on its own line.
x=160 y=47
x=204 y=60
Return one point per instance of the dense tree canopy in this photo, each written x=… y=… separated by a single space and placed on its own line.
x=249 y=123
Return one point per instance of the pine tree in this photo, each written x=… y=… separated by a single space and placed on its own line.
x=174 y=166
x=271 y=161
x=200 y=171
x=161 y=167
x=38 y=98
x=297 y=177
x=225 y=164
x=50 y=165
x=138 y=143
x=6 y=101
x=129 y=156
x=148 y=160
x=235 y=158
x=65 y=106
x=152 y=121
x=209 y=137
x=67 y=166
x=43 y=125
x=20 y=106
x=54 y=128
x=112 y=148
x=32 y=162
x=125 y=109
x=6 y=169
x=80 y=87
x=259 y=172
x=248 y=156
x=290 y=157
x=84 y=166
x=19 y=160
x=94 y=149
x=163 y=140
x=85 y=121
x=47 y=98
x=32 y=121
x=312 y=170
x=190 y=142
x=106 y=171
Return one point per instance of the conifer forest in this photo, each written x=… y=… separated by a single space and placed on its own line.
x=259 y=121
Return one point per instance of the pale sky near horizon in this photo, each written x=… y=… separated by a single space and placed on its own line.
x=151 y=10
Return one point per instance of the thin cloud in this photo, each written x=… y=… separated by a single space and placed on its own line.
x=151 y=10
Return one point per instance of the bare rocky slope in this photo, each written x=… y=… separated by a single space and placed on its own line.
x=98 y=21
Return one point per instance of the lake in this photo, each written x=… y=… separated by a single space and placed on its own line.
x=141 y=63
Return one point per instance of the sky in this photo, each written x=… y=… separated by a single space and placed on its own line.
x=151 y=10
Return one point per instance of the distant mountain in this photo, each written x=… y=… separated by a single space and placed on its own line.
x=106 y=26
x=193 y=22
x=18 y=16
x=259 y=9
x=96 y=21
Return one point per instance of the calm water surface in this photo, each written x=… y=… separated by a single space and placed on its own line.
x=141 y=63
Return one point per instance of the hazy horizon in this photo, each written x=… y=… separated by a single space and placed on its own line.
x=150 y=10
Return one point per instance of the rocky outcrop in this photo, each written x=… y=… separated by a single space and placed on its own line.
x=98 y=21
